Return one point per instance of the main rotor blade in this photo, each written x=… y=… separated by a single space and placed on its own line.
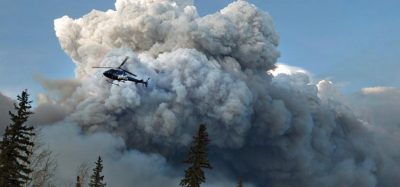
x=102 y=67
x=128 y=72
x=123 y=62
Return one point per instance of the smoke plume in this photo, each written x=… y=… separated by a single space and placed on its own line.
x=268 y=127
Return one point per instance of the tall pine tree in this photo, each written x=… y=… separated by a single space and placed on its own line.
x=198 y=159
x=96 y=180
x=240 y=183
x=78 y=182
x=15 y=148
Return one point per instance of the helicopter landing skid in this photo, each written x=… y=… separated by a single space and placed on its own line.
x=111 y=82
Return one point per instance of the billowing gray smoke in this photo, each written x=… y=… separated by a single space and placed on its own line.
x=270 y=130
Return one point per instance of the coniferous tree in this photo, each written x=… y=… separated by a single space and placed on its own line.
x=198 y=158
x=96 y=180
x=240 y=183
x=78 y=182
x=15 y=148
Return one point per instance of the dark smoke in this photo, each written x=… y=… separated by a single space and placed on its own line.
x=270 y=129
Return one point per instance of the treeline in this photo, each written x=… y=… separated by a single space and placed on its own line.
x=25 y=162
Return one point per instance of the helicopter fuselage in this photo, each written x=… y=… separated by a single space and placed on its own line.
x=121 y=75
x=116 y=74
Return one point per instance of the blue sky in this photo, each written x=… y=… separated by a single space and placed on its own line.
x=354 y=43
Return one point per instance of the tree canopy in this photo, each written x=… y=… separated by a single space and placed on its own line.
x=198 y=159
x=15 y=147
x=96 y=179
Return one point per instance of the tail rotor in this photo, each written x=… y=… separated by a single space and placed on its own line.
x=146 y=82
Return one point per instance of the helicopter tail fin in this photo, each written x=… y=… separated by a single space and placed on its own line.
x=146 y=82
x=141 y=81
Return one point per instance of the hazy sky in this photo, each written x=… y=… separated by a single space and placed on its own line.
x=354 y=43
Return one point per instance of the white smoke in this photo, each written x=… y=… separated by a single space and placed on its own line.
x=269 y=129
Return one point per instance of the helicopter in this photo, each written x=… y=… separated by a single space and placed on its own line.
x=121 y=75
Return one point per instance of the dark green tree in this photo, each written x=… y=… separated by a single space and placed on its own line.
x=78 y=182
x=198 y=159
x=96 y=179
x=240 y=183
x=15 y=148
